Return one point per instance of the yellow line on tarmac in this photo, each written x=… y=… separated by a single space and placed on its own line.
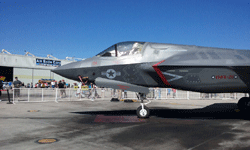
x=174 y=103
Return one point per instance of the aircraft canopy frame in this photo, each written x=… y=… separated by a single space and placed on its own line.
x=122 y=49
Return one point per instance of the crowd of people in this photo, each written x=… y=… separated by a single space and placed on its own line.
x=51 y=84
x=156 y=93
x=89 y=91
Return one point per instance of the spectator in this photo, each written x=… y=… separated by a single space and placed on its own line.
x=28 y=85
x=156 y=92
x=78 y=92
x=174 y=92
x=90 y=88
x=40 y=84
x=159 y=93
x=151 y=93
x=119 y=94
x=83 y=84
x=61 y=88
x=17 y=84
x=53 y=84
x=92 y=93
x=113 y=92
x=125 y=94
x=36 y=85
x=95 y=91
x=43 y=85
x=56 y=85
x=46 y=84
x=64 y=85
x=168 y=94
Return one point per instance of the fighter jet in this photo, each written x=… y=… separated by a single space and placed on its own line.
x=136 y=66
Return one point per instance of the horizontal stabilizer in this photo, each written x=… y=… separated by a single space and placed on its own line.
x=102 y=82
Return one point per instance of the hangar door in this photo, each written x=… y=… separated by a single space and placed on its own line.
x=24 y=75
x=41 y=74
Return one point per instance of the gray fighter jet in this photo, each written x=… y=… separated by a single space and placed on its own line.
x=135 y=66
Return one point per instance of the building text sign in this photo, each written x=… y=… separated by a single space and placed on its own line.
x=48 y=62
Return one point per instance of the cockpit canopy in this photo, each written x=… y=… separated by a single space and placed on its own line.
x=122 y=49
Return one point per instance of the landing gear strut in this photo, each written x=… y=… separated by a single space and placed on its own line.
x=244 y=104
x=143 y=111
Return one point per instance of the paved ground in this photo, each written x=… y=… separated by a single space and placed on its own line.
x=174 y=124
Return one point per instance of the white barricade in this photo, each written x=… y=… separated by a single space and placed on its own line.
x=71 y=94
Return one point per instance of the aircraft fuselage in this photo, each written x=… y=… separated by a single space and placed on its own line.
x=192 y=68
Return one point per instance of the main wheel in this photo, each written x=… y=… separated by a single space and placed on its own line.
x=244 y=103
x=142 y=113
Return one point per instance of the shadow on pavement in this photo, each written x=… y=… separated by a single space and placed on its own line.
x=214 y=111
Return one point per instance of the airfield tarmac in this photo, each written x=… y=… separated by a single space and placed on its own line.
x=105 y=125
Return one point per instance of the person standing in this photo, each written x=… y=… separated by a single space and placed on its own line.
x=53 y=84
x=79 y=90
x=61 y=88
x=42 y=85
x=159 y=93
x=90 y=89
x=168 y=94
x=64 y=83
x=174 y=93
x=92 y=96
x=119 y=94
x=125 y=94
x=95 y=91
x=64 y=86
x=156 y=93
x=17 y=84
x=46 y=85
x=155 y=90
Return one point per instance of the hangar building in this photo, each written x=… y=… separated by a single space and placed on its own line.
x=29 y=68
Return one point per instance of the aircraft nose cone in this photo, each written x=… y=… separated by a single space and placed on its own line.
x=67 y=70
x=72 y=70
x=56 y=70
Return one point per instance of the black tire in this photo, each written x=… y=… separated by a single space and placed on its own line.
x=242 y=103
x=143 y=113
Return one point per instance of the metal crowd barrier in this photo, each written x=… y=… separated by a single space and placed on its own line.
x=70 y=94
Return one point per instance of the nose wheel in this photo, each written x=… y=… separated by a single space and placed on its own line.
x=143 y=111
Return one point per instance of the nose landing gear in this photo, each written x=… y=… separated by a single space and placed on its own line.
x=143 y=111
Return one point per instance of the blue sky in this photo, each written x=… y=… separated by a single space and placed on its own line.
x=83 y=28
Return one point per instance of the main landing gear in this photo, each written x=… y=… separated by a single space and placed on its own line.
x=143 y=111
x=244 y=104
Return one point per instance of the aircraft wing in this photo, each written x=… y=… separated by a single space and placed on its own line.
x=102 y=82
